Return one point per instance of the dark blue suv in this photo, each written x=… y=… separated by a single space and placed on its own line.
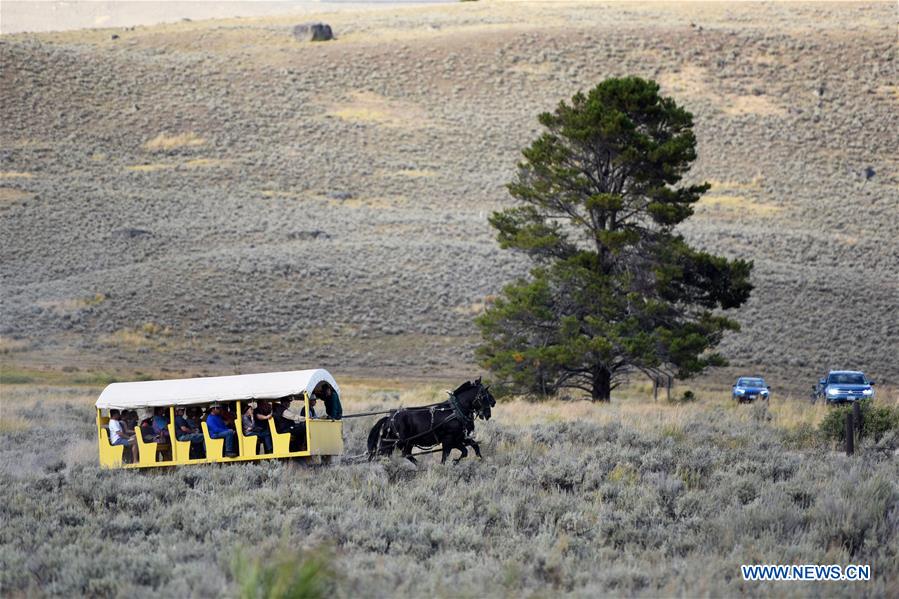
x=842 y=386
x=750 y=388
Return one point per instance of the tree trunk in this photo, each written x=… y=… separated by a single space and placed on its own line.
x=602 y=384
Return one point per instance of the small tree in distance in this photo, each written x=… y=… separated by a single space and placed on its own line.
x=614 y=289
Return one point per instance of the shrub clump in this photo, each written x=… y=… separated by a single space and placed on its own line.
x=286 y=573
x=687 y=397
x=877 y=421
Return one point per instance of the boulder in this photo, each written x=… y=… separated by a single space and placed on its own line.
x=313 y=32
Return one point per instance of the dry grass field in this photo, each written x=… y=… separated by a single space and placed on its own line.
x=213 y=196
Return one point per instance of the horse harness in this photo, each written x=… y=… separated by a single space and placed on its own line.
x=458 y=413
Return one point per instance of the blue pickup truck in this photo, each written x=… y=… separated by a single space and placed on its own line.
x=843 y=386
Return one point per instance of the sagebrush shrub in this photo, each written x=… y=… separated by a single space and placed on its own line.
x=566 y=507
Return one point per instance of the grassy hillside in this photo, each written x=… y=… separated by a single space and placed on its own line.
x=214 y=196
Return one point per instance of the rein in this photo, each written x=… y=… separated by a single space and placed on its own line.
x=390 y=411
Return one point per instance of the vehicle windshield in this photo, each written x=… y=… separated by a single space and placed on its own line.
x=751 y=383
x=847 y=378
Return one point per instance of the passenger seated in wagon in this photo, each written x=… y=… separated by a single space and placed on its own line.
x=161 y=425
x=117 y=435
x=219 y=430
x=145 y=429
x=128 y=420
x=285 y=422
x=186 y=430
x=255 y=423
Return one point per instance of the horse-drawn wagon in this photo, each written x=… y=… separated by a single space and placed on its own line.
x=323 y=436
x=223 y=435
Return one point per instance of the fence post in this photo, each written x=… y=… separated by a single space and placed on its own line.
x=857 y=416
x=850 y=434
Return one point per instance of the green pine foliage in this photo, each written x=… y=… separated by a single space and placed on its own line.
x=614 y=288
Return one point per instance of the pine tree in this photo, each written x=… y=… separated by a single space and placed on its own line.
x=614 y=288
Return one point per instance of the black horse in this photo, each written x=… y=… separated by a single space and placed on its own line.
x=448 y=423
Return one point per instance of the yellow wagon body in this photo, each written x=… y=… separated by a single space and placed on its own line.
x=324 y=437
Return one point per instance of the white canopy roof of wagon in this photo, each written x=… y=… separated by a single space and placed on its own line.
x=179 y=392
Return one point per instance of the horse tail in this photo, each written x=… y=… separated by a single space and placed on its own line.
x=378 y=431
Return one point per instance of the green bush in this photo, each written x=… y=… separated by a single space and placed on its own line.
x=687 y=397
x=877 y=420
x=288 y=573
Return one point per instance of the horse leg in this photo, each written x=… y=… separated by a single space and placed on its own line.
x=460 y=445
x=407 y=453
x=447 y=448
x=474 y=445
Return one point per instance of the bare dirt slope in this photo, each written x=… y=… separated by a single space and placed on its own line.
x=212 y=196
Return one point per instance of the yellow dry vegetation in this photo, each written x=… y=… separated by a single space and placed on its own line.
x=71 y=304
x=472 y=309
x=640 y=413
x=690 y=80
x=8 y=346
x=368 y=202
x=530 y=68
x=647 y=415
x=695 y=83
x=720 y=186
x=149 y=168
x=146 y=335
x=793 y=414
x=369 y=107
x=889 y=90
x=13 y=424
x=759 y=105
x=735 y=205
x=415 y=173
x=127 y=338
x=164 y=143
x=844 y=239
x=11 y=194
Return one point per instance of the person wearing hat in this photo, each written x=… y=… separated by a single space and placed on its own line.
x=145 y=427
x=219 y=430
